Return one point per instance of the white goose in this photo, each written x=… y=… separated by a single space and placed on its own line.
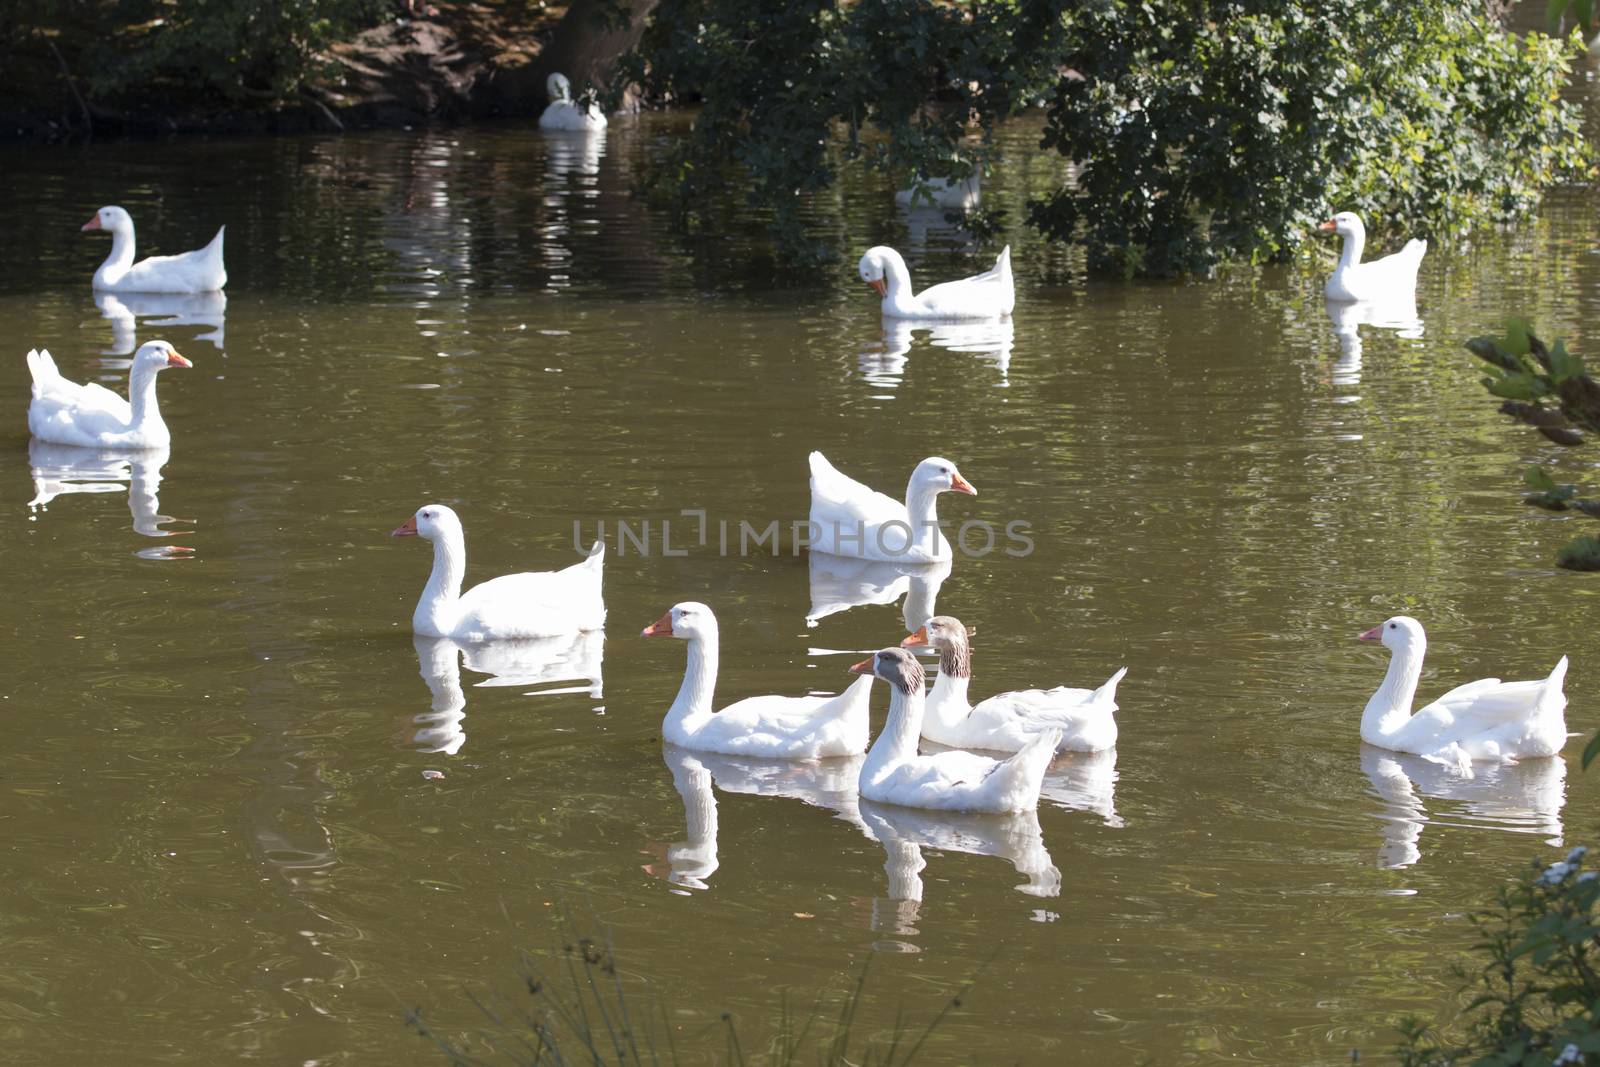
x=1388 y=279
x=894 y=773
x=849 y=519
x=542 y=604
x=92 y=416
x=563 y=113
x=1007 y=722
x=776 y=727
x=200 y=271
x=983 y=296
x=1483 y=720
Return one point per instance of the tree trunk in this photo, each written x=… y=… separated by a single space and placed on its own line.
x=585 y=47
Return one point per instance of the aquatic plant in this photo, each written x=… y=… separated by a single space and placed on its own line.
x=1535 y=1002
x=581 y=1011
x=1550 y=389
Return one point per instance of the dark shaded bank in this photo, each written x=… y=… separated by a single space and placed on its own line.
x=458 y=62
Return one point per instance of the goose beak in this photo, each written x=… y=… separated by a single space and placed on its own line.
x=961 y=485
x=916 y=640
x=92 y=224
x=175 y=360
x=881 y=285
x=1374 y=634
x=662 y=627
x=1328 y=226
x=406 y=529
x=864 y=667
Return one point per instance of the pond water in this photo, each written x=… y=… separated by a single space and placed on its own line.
x=247 y=816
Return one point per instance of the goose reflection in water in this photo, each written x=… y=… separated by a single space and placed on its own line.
x=1085 y=781
x=905 y=832
x=124 y=310
x=571 y=175
x=60 y=470
x=828 y=783
x=831 y=784
x=1524 y=797
x=574 y=154
x=839 y=583
x=930 y=224
x=537 y=662
x=1398 y=314
x=882 y=363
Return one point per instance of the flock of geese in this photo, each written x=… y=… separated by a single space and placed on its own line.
x=988 y=757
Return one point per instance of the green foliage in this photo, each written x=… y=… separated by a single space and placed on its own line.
x=1230 y=132
x=1549 y=495
x=791 y=91
x=233 y=50
x=1591 y=750
x=1582 y=12
x=1525 y=372
x=1581 y=554
x=1536 y=1001
x=1202 y=131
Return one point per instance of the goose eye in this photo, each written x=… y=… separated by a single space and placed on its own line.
x=1391 y=626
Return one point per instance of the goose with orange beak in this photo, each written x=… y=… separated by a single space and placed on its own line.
x=1008 y=722
x=990 y=295
x=896 y=773
x=849 y=519
x=92 y=416
x=775 y=727
x=1392 y=278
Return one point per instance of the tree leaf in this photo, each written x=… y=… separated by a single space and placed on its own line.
x=1517 y=332
x=1518 y=386
x=1591 y=750
x=1564 y=365
x=1538 y=478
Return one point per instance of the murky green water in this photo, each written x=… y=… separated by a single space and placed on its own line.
x=220 y=842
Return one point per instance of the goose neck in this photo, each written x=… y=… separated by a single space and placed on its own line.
x=897 y=279
x=439 y=596
x=1390 y=706
x=142 y=396
x=699 y=681
x=120 y=258
x=901 y=731
x=922 y=512
x=948 y=704
x=1354 y=244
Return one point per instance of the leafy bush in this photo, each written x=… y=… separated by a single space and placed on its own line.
x=1230 y=134
x=1525 y=373
x=235 y=50
x=1204 y=131
x=790 y=90
x=1537 y=999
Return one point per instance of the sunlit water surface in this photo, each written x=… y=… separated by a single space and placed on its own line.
x=247 y=816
